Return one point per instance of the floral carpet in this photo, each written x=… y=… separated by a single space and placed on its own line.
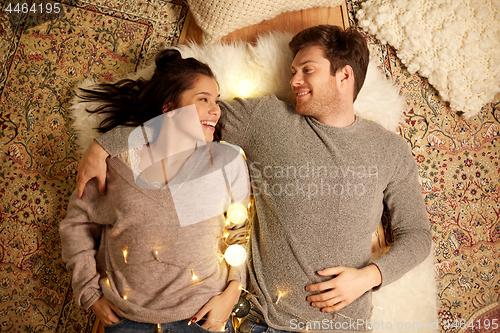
x=459 y=172
x=44 y=55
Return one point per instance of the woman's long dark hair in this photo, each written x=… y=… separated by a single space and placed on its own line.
x=133 y=102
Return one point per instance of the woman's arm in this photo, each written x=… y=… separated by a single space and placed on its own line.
x=219 y=308
x=79 y=240
x=106 y=311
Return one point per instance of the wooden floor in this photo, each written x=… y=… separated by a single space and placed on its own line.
x=292 y=22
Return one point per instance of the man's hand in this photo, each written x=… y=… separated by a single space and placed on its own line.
x=93 y=164
x=106 y=311
x=348 y=285
x=219 y=308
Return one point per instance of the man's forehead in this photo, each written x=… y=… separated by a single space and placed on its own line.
x=313 y=53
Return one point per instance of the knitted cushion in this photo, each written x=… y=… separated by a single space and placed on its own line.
x=217 y=18
x=454 y=43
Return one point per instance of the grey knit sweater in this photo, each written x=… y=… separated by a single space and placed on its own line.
x=131 y=246
x=319 y=195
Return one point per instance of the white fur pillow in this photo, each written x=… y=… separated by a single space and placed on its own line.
x=245 y=70
x=217 y=18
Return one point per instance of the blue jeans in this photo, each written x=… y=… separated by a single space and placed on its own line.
x=250 y=326
x=181 y=326
x=254 y=323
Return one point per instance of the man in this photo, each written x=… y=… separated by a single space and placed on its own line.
x=320 y=176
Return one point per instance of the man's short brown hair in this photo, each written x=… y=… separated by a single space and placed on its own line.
x=341 y=47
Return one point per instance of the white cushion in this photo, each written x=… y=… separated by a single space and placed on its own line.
x=454 y=43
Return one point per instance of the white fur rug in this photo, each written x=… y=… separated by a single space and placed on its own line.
x=245 y=70
x=256 y=70
x=454 y=43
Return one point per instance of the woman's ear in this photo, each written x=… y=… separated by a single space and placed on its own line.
x=167 y=107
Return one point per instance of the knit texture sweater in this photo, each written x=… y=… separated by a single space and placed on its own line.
x=131 y=246
x=319 y=194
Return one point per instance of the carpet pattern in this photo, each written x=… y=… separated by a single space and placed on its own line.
x=44 y=56
x=459 y=172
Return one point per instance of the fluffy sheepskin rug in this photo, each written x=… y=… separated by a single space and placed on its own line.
x=245 y=70
x=264 y=68
x=454 y=43
x=409 y=304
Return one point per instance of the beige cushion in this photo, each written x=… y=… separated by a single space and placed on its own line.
x=217 y=18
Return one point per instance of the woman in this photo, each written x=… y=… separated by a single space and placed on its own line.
x=148 y=255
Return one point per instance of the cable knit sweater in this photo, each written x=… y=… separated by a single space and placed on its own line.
x=319 y=194
x=131 y=246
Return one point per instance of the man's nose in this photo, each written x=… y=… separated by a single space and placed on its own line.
x=296 y=80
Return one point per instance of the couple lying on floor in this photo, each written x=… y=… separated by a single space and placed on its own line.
x=149 y=251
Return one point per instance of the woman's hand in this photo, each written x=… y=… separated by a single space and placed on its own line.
x=92 y=164
x=219 y=308
x=106 y=311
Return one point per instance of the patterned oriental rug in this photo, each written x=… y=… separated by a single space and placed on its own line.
x=44 y=55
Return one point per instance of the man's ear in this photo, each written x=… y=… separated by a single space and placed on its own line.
x=345 y=75
x=167 y=107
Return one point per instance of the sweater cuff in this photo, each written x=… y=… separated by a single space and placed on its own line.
x=238 y=273
x=89 y=297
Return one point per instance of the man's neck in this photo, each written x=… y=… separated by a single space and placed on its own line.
x=339 y=117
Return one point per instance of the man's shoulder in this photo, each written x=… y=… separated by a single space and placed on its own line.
x=377 y=131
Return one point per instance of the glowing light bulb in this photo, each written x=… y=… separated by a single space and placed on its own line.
x=235 y=255
x=237 y=213
x=280 y=295
x=125 y=297
x=243 y=88
x=125 y=253
x=193 y=276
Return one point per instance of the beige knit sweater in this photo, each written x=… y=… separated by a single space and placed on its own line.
x=130 y=247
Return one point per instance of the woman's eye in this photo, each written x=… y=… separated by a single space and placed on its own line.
x=217 y=102
x=203 y=99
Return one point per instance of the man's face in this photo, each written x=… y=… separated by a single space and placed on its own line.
x=314 y=87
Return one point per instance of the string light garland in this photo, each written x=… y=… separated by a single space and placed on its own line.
x=235 y=255
x=242 y=307
x=237 y=213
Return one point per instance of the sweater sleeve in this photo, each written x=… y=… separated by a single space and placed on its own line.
x=79 y=238
x=409 y=220
x=238 y=116
x=237 y=172
x=116 y=141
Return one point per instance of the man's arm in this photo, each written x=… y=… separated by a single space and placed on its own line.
x=92 y=164
x=93 y=161
x=409 y=219
x=238 y=114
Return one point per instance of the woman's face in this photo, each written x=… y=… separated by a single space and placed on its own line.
x=205 y=96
